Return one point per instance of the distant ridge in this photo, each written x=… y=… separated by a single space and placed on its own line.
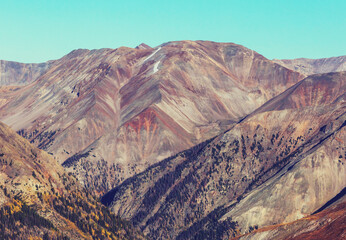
x=312 y=66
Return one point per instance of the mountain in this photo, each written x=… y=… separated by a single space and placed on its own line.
x=108 y=114
x=39 y=200
x=313 y=66
x=281 y=163
x=14 y=73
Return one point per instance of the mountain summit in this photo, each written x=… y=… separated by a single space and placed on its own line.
x=143 y=46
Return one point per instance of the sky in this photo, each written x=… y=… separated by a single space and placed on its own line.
x=41 y=30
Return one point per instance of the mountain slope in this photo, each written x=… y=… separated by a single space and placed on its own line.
x=108 y=114
x=279 y=164
x=312 y=66
x=38 y=199
x=327 y=224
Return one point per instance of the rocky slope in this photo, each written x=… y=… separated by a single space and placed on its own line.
x=14 y=73
x=325 y=224
x=312 y=66
x=281 y=163
x=38 y=199
x=108 y=114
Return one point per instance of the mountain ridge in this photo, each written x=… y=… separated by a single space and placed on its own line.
x=314 y=66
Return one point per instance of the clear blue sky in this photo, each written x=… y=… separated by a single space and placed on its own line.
x=41 y=30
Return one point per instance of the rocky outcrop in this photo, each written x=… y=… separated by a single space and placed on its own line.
x=129 y=108
x=281 y=163
x=312 y=66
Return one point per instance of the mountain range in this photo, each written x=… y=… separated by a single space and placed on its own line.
x=113 y=113
x=187 y=140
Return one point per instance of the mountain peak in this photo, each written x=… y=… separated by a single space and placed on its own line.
x=143 y=46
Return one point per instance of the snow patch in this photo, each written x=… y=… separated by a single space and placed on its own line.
x=152 y=54
x=156 y=66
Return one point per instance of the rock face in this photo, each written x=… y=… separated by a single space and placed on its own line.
x=14 y=73
x=108 y=114
x=279 y=164
x=39 y=199
x=312 y=66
